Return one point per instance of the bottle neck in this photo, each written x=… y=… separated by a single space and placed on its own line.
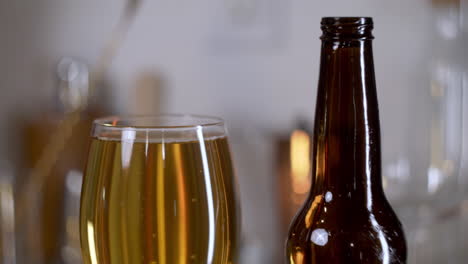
x=346 y=151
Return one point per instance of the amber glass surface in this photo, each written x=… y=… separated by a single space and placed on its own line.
x=346 y=218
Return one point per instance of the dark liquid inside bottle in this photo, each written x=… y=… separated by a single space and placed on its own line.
x=346 y=218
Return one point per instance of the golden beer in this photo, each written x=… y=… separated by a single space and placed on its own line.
x=161 y=199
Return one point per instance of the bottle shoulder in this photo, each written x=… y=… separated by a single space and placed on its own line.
x=343 y=227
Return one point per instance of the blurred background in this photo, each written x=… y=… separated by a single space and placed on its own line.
x=252 y=62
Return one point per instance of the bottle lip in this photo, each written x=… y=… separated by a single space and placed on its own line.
x=347 y=21
x=347 y=28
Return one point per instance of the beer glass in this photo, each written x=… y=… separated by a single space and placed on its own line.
x=159 y=190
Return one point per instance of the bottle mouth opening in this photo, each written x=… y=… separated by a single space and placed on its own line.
x=347 y=21
x=347 y=28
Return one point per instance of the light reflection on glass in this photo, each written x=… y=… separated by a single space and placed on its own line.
x=398 y=171
x=298 y=258
x=182 y=212
x=209 y=195
x=366 y=121
x=310 y=214
x=434 y=179
x=92 y=244
x=7 y=219
x=160 y=203
x=383 y=242
x=71 y=251
x=74 y=80
x=128 y=137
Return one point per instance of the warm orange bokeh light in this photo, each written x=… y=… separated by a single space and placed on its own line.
x=300 y=161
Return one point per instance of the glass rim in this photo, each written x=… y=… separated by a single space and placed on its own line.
x=192 y=121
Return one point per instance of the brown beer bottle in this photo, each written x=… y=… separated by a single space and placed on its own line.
x=346 y=218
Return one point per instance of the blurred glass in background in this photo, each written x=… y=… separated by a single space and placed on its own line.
x=253 y=62
x=431 y=185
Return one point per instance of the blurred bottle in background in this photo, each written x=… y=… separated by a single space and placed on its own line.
x=147 y=94
x=47 y=223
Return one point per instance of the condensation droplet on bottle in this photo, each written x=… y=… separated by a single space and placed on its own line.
x=328 y=197
x=319 y=237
